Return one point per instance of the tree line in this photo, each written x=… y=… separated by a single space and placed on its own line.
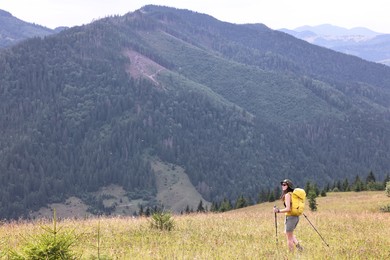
x=369 y=183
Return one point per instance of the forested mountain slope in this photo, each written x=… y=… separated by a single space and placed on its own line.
x=14 y=30
x=239 y=107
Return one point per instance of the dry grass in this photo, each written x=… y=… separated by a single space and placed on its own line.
x=351 y=223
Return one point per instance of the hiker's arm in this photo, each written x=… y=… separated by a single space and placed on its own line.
x=287 y=201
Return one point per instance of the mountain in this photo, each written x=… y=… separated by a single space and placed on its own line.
x=162 y=92
x=14 y=30
x=331 y=30
x=359 y=41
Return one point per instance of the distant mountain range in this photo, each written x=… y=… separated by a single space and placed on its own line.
x=14 y=30
x=359 y=41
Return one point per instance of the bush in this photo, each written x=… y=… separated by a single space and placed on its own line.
x=312 y=201
x=374 y=186
x=50 y=245
x=162 y=221
x=385 y=208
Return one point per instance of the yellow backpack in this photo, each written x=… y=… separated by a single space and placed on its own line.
x=298 y=197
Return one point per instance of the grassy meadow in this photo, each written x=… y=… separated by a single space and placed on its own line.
x=350 y=223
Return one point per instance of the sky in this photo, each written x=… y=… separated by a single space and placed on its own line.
x=275 y=14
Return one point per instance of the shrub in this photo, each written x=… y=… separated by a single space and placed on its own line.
x=49 y=245
x=162 y=221
x=385 y=208
x=312 y=201
x=374 y=186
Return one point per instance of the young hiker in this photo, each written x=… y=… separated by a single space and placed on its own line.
x=291 y=222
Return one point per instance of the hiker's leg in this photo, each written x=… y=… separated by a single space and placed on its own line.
x=290 y=241
x=290 y=224
x=295 y=240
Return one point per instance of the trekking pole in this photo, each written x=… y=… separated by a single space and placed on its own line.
x=276 y=227
x=316 y=230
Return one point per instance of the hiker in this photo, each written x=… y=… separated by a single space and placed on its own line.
x=291 y=222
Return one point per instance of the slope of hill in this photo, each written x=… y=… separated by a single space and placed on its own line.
x=360 y=42
x=14 y=30
x=237 y=107
x=248 y=233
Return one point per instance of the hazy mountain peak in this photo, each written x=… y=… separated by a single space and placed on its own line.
x=329 y=29
x=14 y=30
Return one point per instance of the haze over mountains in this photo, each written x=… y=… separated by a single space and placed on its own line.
x=130 y=100
x=359 y=41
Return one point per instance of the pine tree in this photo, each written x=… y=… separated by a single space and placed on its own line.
x=312 y=201
x=271 y=197
x=358 y=184
x=147 y=212
x=214 y=207
x=345 y=185
x=370 y=178
x=200 y=207
x=307 y=187
x=187 y=210
x=339 y=185
x=387 y=179
x=316 y=189
x=225 y=205
x=263 y=196
x=241 y=202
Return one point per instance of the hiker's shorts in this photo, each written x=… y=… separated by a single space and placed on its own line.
x=291 y=223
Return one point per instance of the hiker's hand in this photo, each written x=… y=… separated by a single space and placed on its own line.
x=276 y=210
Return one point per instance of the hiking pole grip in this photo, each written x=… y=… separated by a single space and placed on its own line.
x=316 y=230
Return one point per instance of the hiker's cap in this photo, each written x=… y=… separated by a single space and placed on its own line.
x=288 y=182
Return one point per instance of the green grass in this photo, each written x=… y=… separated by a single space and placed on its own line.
x=351 y=223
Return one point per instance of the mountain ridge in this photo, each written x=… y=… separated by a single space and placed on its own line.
x=14 y=30
x=238 y=107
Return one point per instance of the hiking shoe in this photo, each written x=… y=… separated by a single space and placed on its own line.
x=299 y=247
